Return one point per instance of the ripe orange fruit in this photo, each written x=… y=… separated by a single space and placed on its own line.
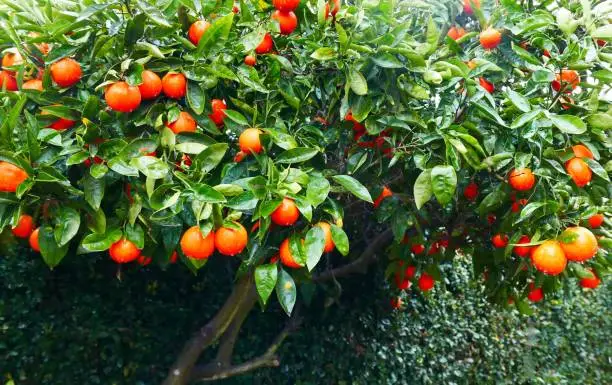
x=25 y=226
x=195 y=246
x=286 y=214
x=286 y=5
x=151 y=85
x=590 y=283
x=124 y=251
x=426 y=282
x=266 y=45
x=249 y=141
x=7 y=81
x=358 y=127
x=174 y=85
x=386 y=192
x=11 y=177
x=582 y=151
x=329 y=242
x=583 y=245
x=239 y=157
x=490 y=38
x=12 y=59
x=184 y=123
x=521 y=179
x=286 y=257
x=484 y=83
x=34 y=240
x=144 y=260
x=122 y=97
x=287 y=20
x=455 y=32
x=250 y=60
x=500 y=240
x=396 y=303
x=579 y=170
x=417 y=248
x=66 y=72
x=34 y=84
x=596 y=220
x=522 y=251
x=403 y=282
x=336 y=7
x=467 y=6
x=197 y=30
x=535 y=294
x=567 y=78
x=218 y=108
x=549 y=258
x=230 y=241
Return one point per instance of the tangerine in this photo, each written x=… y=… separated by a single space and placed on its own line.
x=566 y=78
x=521 y=179
x=582 y=151
x=195 y=245
x=11 y=177
x=500 y=240
x=490 y=38
x=151 y=85
x=66 y=72
x=287 y=20
x=34 y=84
x=124 y=251
x=579 y=244
x=218 y=108
x=286 y=256
x=34 y=244
x=230 y=241
x=455 y=32
x=122 y=97
x=590 y=283
x=12 y=59
x=579 y=170
x=549 y=258
x=467 y=6
x=184 y=123
x=329 y=242
x=250 y=60
x=249 y=141
x=286 y=214
x=488 y=86
x=426 y=282
x=286 y=5
x=197 y=30
x=535 y=294
x=266 y=45
x=7 y=81
x=522 y=251
x=174 y=85
x=25 y=226
x=596 y=220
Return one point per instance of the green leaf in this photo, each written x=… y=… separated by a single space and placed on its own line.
x=317 y=190
x=600 y=120
x=135 y=234
x=94 y=191
x=433 y=35
x=286 y=291
x=195 y=97
x=100 y=242
x=208 y=159
x=387 y=60
x=314 y=244
x=525 y=118
x=443 y=183
x=358 y=83
x=297 y=155
x=423 y=189
x=134 y=29
x=492 y=202
x=216 y=35
x=597 y=169
x=265 y=280
x=568 y=124
x=68 y=223
x=154 y=13
x=323 y=54
x=205 y=193
x=152 y=167
x=236 y=117
x=354 y=186
x=604 y=32
x=340 y=239
x=51 y=252
x=519 y=101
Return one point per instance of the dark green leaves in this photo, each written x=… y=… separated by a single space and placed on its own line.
x=195 y=97
x=358 y=83
x=100 y=242
x=340 y=239
x=265 y=280
x=354 y=186
x=286 y=291
x=443 y=183
x=68 y=223
x=519 y=101
x=317 y=190
x=208 y=159
x=154 y=14
x=297 y=155
x=50 y=250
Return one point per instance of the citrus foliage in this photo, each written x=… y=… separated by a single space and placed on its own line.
x=150 y=127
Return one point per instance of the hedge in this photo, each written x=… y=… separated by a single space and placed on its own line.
x=50 y=335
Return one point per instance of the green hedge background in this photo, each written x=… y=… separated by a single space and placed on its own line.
x=79 y=324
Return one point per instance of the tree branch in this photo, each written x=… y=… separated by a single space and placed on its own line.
x=180 y=372
x=268 y=359
x=367 y=257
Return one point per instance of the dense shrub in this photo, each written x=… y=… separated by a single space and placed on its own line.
x=84 y=326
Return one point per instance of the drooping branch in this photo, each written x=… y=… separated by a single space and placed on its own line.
x=211 y=372
x=180 y=372
x=359 y=265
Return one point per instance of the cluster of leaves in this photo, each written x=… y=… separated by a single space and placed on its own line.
x=420 y=124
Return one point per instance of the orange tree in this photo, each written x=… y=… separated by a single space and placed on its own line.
x=185 y=130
